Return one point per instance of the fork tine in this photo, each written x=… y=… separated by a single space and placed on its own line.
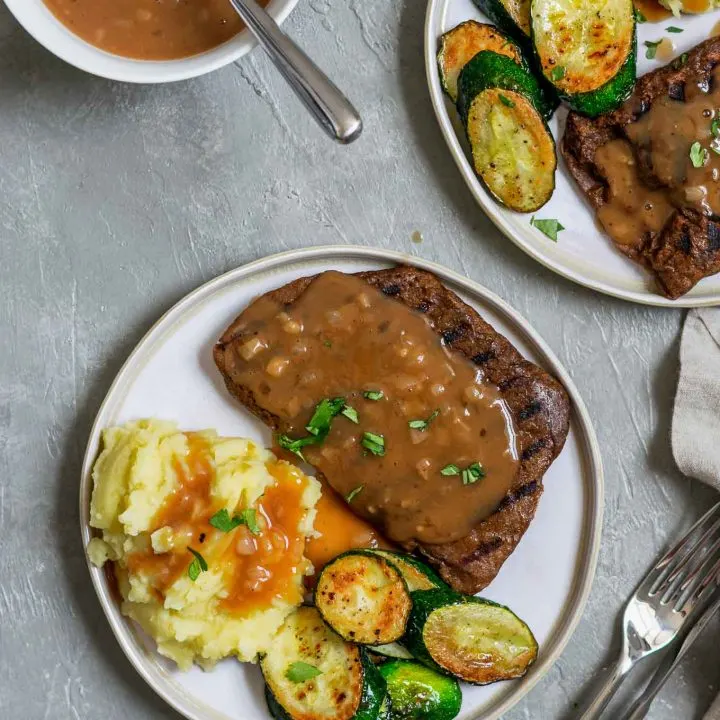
x=692 y=564
x=658 y=574
x=691 y=554
x=697 y=583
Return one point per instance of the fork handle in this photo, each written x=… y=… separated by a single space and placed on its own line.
x=606 y=692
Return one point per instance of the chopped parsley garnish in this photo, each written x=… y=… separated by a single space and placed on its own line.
x=197 y=566
x=450 y=470
x=507 y=101
x=321 y=419
x=350 y=413
x=318 y=427
x=373 y=394
x=354 y=493
x=549 y=227
x=374 y=443
x=715 y=128
x=652 y=47
x=327 y=344
x=639 y=17
x=422 y=425
x=557 y=73
x=698 y=155
x=299 y=672
x=674 y=29
x=223 y=522
x=296 y=446
x=680 y=61
x=249 y=517
x=472 y=474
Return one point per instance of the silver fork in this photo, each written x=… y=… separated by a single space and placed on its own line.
x=661 y=604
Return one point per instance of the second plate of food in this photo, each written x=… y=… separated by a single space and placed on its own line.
x=428 y=411
x=564 y=234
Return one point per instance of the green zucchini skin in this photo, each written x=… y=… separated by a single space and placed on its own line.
x=612 y=94
x=371 y=702
x=423 y=579
x=419 y=693
x=385 y=712
x=374 y=690
x=606 y=98
x=427 y=602
x=490 y=70
x=497 y=13
x=424 y=603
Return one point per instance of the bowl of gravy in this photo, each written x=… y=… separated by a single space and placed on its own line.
x=143 y=41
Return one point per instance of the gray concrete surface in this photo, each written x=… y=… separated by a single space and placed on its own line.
x=116 y=200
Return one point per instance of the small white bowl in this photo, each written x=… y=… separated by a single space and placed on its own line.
x=37 y=19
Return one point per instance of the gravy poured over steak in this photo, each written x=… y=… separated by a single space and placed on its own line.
x=414 y=340
x=651 y=169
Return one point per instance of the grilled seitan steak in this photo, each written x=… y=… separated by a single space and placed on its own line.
x=538 y=404
x=650 y=169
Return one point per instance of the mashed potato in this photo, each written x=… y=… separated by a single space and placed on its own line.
x=690 y=6
x=207 y=537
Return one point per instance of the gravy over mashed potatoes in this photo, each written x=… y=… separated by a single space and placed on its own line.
x=206 y=534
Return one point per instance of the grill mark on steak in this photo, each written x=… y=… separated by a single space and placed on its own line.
x=686 y=249
x=532 y=409
x=468 y=564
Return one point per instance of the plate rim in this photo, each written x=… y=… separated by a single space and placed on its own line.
x=490 y=208
x=581 y=582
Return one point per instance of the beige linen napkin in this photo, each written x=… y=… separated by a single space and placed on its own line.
x=696 y=418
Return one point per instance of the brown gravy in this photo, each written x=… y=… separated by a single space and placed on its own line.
x=663 y=136
x=344 y=338
x=150 y=29
x=652 y=10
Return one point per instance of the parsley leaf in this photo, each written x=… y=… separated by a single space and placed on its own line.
x=350 y=413
x=318 y=427
x=451 y=469
x=549 y=227
x=715 y=128
x=197 y=566
x=673 y=29
x=374 y=443
x=557 y=73
x=506 y=101
x=354 y=493
x=299 y=672
x=639 y=17
x=327 y=344
x=422 y=425
x=373 y=394
x=249 y=517
x=223 y=522
x=651 y=48
x=325 y=411
x=698 y=155
x=470 y=475
x=473 y=473
x=295 y=446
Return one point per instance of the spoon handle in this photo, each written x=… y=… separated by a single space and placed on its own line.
x=330 y=108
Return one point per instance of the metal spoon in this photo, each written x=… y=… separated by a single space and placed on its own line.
x=330 y=108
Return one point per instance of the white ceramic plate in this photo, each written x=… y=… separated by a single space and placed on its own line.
x=583 y=252
x=171 y=375
x=35 y=17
